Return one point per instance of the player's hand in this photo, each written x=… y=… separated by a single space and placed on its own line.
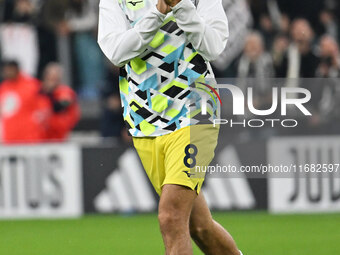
x=172 y=3
x=163 y=7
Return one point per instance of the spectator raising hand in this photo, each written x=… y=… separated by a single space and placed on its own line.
x=62 y=101
x=330 y=61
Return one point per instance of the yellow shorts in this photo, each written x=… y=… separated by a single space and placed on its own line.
x=171 y=159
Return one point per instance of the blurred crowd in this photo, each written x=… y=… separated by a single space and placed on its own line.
x=37 y=32
x=296 y=40
x=268 y=39
x=34 y=111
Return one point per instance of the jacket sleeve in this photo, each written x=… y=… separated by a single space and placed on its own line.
x=205 y=27
x=118 y=40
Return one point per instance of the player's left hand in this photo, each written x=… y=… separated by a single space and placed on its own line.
x=172 y=3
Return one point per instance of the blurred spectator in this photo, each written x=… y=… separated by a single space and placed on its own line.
x=21 y=120
x=267 y=30
x=20 y=11
x=81 y=21
x=18 y=36
x=325 y=92
x=240 y=21
x=328 y=24
x=300 y=61
x=284 y=24
x=258 y=9
x=306 y=9
x=112 y=123
x=62 y=99
x=255 y=61
x=24 y=11
x=52 y=13
x=329 y=66
x=279 y=51
x=254 y=67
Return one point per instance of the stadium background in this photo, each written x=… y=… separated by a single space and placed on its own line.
x=89 y=194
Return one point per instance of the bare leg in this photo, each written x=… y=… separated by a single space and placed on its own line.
x=175 y=207
x=210 y=236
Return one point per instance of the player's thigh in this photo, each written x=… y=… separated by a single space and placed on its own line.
x=176 y=203
x=152 y=159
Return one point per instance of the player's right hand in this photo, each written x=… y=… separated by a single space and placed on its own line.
x=163 y=7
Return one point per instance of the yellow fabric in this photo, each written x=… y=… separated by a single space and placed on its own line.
x=164 y=157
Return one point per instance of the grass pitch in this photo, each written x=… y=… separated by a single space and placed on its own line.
x=255 y=233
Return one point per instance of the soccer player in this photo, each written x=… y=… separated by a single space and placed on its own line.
x=163 y=46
